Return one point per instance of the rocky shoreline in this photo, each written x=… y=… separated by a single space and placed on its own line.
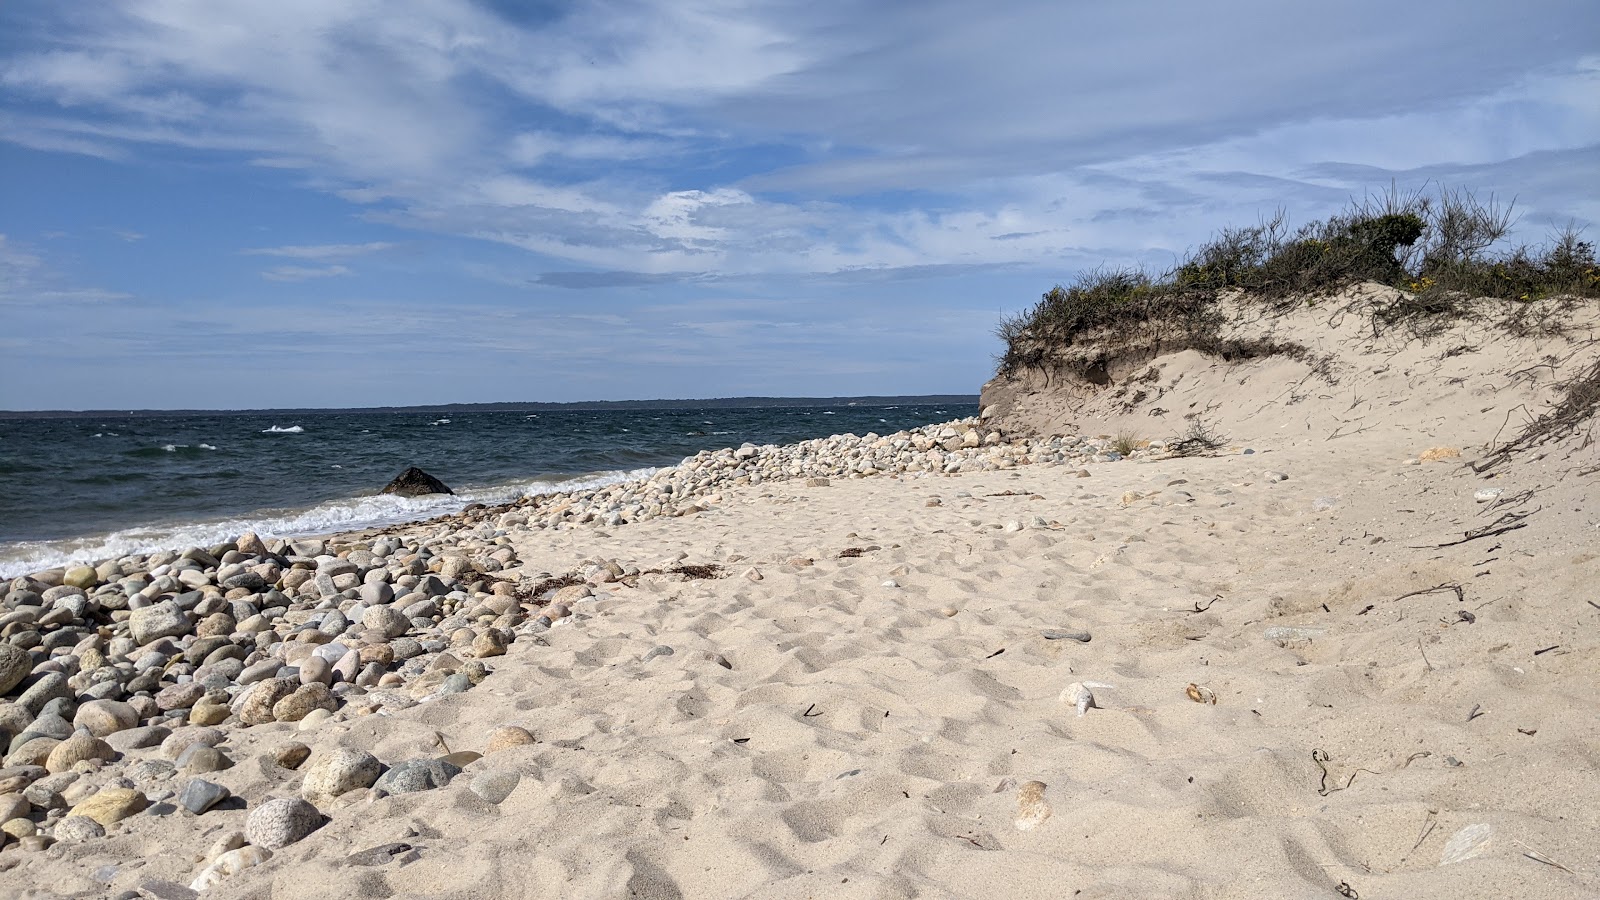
x=124 y=682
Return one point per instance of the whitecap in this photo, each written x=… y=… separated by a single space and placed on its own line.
x=174 y=448
x=345 y=514
x=292 y=429
x=207 y=447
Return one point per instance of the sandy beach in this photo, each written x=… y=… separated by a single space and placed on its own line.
x=1327 y=657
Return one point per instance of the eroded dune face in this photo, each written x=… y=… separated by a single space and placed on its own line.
x=1326 y=655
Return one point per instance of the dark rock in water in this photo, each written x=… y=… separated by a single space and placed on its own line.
x=414 y=482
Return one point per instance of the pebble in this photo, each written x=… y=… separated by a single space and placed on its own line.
x=291 y=755
x=232 y=863
x=1032 y=810
x=416 y=775
x=111 y=804
x=1055 y=634
x=200 y=759
x=339 y=771
x=77 y=828
x=495 y=787
x=506 y=737
x=278 y=823
x=1485 y=495
x=200 y=795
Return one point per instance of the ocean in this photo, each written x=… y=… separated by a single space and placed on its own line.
x=80 y=489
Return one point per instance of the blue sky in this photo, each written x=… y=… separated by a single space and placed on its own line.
x=229 y=203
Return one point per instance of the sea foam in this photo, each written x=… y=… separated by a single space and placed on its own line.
x=345 y=514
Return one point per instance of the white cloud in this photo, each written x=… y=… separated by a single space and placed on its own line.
x=303 y=273
x=25 y=279
x=734 y=138
x=321 y=251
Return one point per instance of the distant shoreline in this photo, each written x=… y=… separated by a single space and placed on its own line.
x=576 y=406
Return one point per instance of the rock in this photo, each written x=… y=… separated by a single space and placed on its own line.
x=152 y=623
x=209 y=712
x=50 y=686
x=231 y=863
x=111 y=805
x=339 y=771
x=381 y=855
x=495 y=787
x=653 y=652
x=179 y=696
x=77 y=828
x=291 y=755
x=1482 y=495
x=414 y=482
x=1056 y=634
x=181 y=740
x=507 y=736
x=1274 y=476
x=488 y=644
x=251 y=545
x=254 y=707
x=1438 y=454
x=306 y=698
x=200 y=795
x=15 y=664
x=14 y=806
x=138 y=738
x=417 y=775
x=1032 y=810
x=81 y=746
x=388 y=620
x=104 y=717
x=278 y=823
x=81 y=577
x=316 y=670
x=200 y=759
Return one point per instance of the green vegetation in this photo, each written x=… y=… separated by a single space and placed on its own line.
x=1439 y=249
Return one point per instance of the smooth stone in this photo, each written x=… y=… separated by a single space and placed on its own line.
x=199 y=759
x=15 y=664
x=306 y=698
x=75 y=749
x=160 y=620
x=111 y=805
x=230 y=863
x=182 y=739
x=1053 y=634
x=278 y=823
x=50 y=686
x=315 y=669
x=495 y=787
x=339 y=771
x=75 y=828
x=417 y=775
x=506 y=737
x=653 y=652
x=105 y=717
x=291 y=755
x=139 y=738
x=380 y=855
x=200 y=795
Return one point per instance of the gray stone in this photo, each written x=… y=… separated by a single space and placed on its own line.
x=50 y=686
x=138 y=738
x=380 y=855
x=199 y=759
x=278 y=823
x=78 y=828
x=1055 y=634
x=158 y=621
x=495 y=787
x=417 y=775
x=15 y=664
x=200 y=795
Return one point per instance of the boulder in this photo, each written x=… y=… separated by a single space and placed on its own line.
x=414 y=482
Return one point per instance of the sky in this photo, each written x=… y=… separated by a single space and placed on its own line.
x=307 y=203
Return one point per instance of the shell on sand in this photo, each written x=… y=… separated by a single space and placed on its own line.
x=1032 y=810
x=1079 y=695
